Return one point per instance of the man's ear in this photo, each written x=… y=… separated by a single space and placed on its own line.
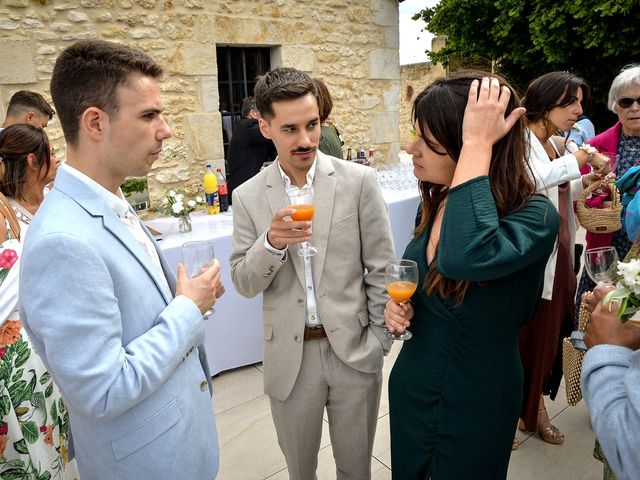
x=264 y=128
x=93 y=123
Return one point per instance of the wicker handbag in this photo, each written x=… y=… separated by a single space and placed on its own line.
x=572 y=358
x=600 y=220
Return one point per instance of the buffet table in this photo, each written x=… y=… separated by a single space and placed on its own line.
x=234 y=331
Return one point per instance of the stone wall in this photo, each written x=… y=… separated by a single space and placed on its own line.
x=353 y=45
x=413 y=79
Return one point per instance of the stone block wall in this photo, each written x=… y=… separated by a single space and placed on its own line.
x=352 y=44
x=413 y=79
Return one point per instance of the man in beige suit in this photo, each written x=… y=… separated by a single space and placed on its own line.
x=323 y=315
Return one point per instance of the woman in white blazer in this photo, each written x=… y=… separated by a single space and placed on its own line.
x=554 y=102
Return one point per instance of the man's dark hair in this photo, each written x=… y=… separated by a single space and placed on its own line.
x=248 y=104
x=282 y=83
x=24 y=100
x=88 y=73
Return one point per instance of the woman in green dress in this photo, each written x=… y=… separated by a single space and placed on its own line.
x=481 y=245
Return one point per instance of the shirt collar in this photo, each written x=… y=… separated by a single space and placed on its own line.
x=117 y=203
x=309 y=179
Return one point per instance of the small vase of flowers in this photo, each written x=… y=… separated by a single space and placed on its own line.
x=176 y=204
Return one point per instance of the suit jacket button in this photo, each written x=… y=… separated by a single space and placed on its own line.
x=297 y=338
x=300 y=302
x=204 y=385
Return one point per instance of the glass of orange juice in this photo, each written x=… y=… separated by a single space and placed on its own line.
x=401 y=277
x=302 y=201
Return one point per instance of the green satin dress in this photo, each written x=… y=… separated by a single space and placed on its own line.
x=456 y=388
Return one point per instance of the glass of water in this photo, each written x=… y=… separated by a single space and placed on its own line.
x=196 y=258
x=602 y=265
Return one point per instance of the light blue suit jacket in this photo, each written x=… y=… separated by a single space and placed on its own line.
x=121 y=348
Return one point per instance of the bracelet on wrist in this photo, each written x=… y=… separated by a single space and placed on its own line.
x=585 y=147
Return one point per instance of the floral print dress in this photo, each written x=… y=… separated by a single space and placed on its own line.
x=34 y=423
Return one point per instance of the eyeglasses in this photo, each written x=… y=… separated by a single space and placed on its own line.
x=626 y=102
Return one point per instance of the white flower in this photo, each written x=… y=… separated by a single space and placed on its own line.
x=165 y=200
x=177 y=207
x=179 y=197
x=629 y=275
x=191 y=203
x=172 y=193
x=199 y=199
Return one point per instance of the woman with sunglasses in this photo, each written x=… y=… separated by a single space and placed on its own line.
x=622 y=144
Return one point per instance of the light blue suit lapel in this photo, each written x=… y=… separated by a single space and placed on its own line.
x=324 y=190
x=119 y=230
x=93 y=204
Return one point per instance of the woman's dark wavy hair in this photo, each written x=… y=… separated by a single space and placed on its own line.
x=551 y=90
x=16 y=143
x=439 y=109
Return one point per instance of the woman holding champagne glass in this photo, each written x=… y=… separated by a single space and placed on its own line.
x=481 y=245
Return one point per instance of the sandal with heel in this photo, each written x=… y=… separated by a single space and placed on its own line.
x=550 y=433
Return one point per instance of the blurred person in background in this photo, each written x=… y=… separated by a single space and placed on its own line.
x=330 y=141
x=248 y=149
x=28 y=107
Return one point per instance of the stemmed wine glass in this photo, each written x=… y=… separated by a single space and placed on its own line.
x=302 y=201
x=602 y=265
x=401 y=277
x=197 y=257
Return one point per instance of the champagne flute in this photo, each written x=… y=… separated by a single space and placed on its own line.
x=602 y=265
x=302 y=201
x=196 y=257
x=401 y=277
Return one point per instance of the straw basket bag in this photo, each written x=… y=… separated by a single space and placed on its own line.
x=572 y=358
x=600 y=220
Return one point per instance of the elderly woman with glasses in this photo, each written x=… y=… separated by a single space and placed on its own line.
x=622 y=143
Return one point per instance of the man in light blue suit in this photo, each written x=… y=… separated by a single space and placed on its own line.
x=120 y=336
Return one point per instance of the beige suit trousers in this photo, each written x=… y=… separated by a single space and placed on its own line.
x=352 y=399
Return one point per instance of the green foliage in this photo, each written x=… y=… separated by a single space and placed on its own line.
x=131 y=185
x=523 y=39
x=29 y=431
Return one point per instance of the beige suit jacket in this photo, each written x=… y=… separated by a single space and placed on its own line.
x=352 y=234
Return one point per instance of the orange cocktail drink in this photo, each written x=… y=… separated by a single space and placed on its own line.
x=303 y=213
x=401 y=291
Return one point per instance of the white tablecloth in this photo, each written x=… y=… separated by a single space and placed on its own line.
x=234 y=332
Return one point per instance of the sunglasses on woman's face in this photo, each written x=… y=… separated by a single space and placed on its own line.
x=626 y=102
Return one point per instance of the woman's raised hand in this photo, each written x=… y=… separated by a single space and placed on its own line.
x=484 y=118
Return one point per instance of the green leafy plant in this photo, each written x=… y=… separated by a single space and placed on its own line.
x=132 y=185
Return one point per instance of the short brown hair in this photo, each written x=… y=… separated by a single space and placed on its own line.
x=325 y=103
x=16 y=143
x=24 y=100
x=282 y=83
x=87 y=74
